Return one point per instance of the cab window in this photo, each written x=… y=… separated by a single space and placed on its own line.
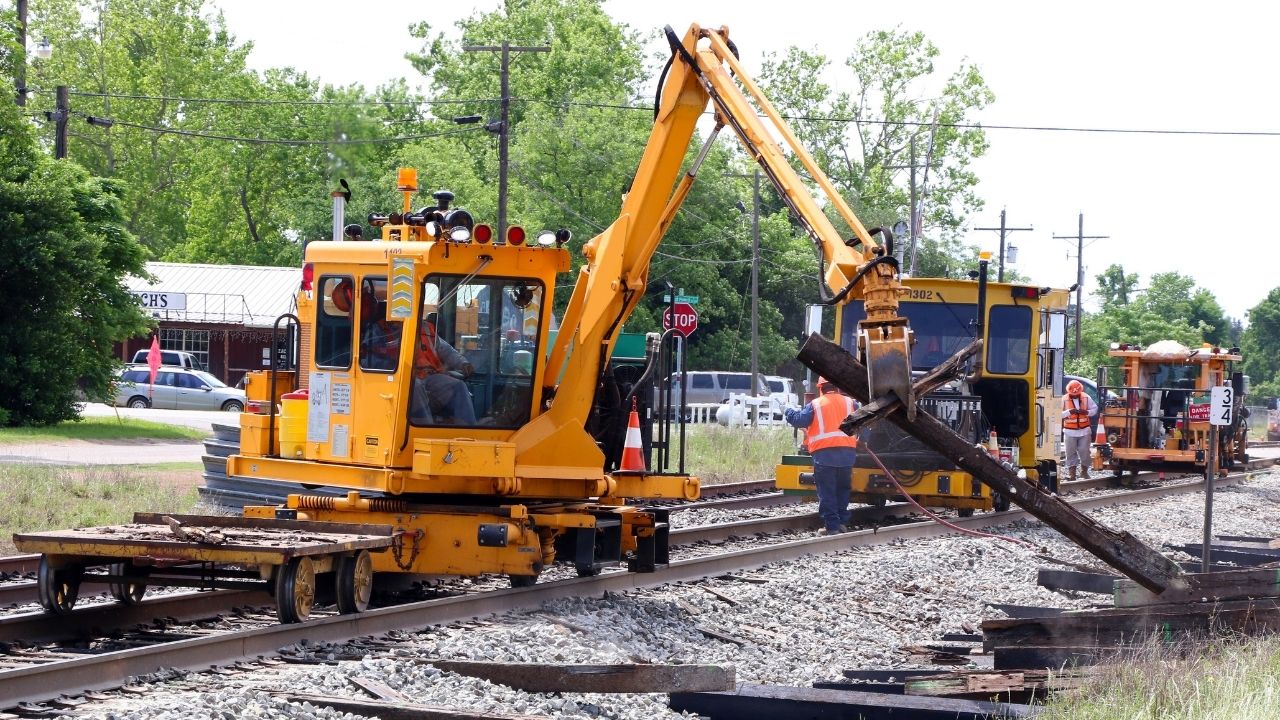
x=333 y=322
x=379 y=337
x=1009 y=340
x=479 y=371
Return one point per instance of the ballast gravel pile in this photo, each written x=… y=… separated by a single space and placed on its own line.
x=789 y=623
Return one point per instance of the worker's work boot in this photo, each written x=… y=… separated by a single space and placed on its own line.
x=1084 y=473
x=1071 y=474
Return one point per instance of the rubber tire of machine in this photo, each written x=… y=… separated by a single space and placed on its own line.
x=129 y=592
x=58 y=589
x=295 y=583
x=353 y=580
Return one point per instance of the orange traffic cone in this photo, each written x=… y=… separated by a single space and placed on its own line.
x=632 y=452
x=1100 y=437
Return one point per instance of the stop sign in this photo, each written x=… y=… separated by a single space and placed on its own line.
x=686 y=318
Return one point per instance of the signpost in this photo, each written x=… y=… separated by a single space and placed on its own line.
x=685 y=320
x=1221 y=405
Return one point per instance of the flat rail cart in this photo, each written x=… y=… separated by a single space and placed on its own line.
x=283 y=557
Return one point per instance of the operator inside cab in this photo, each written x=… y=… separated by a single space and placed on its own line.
x=439 y=393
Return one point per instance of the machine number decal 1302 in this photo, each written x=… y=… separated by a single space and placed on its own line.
x=920 y=294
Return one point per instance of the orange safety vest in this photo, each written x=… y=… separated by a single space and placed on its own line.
x=427 y=358
x=1075 y=422
x=824 y=431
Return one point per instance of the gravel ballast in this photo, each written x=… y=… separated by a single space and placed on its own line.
x=799 y=622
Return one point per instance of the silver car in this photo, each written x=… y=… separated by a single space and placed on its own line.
x=176 y=388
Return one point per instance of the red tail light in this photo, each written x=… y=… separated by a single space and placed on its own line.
x=515 y=235
x=308 y=275
x=483 y=234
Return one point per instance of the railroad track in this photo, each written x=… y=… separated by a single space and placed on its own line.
x=247 y=635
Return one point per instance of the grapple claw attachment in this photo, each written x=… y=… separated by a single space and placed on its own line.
x=888 y=360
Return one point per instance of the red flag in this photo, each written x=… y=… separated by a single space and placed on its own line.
x=153 y=357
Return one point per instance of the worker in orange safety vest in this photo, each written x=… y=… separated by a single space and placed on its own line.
x=1077 y=409
x=434 y=388
x=833 y=452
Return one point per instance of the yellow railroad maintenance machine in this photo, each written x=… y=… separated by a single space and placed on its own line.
x=1012 y=389
x=428 y=391
x=1157 y=416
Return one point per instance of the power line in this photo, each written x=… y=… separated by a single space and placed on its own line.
x=279 y=141
x=959 y=126
x=263 y=101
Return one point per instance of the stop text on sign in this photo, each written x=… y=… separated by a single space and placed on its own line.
x=682 y=317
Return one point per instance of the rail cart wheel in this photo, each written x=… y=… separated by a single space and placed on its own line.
x=58 y=588
x=295 y=590
x=129 y=592
x=999 y=502
x=583 y=571
x=965 y=512
x=354 y=580
x=519 y=581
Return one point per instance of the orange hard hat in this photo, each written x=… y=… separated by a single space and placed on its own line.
x=1074 y=387
x=342 y=296
x=824 y=383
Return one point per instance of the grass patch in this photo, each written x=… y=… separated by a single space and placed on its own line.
x=101 y=428
x=1230 y=680
x=47 y=497
x=719 y=454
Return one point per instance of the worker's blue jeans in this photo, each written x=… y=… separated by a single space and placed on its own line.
x=834 y=485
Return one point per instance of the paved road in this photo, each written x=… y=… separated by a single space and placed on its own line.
x=122 y=452
x=198 y=419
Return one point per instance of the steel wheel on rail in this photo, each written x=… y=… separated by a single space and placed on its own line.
x=353 y=578
x=519 y=581
x=129 y=592
x=58 y=588
x=295 y=589
x=999 y=501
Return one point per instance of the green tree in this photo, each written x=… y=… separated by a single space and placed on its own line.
x=64 y=251
x=859 y=135
x=1260 y=344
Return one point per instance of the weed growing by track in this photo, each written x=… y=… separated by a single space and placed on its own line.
x=1230 y=680
x=719 y=454
x=46 y=497
x=101 y=428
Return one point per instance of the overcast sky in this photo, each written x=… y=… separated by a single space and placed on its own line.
x=1172 y=202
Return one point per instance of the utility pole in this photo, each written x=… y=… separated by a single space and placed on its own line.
x=503 y=125
x=60 y=116
x=1079 y=237
x=22 y=53
x=755 y=283
x=916 y=214
x=1003 y=232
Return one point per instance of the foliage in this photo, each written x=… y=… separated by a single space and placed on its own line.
x=733 y=454
x=63 y=254
x=1261 y=346
x=1171 y=307
x=246 y=181
x=859 y=136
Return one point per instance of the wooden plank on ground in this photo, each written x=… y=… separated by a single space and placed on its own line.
x=1204 y=587
x=1118 y=549
x=378 y=689
x=540 y=677
x=1022 y=657
x=1220 y=554
x=1077 y=581
x=1025 y=611
x=1118 y=626
x=781 y=702
x=395 y=710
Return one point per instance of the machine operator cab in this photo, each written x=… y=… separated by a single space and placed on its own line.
x=433 y=328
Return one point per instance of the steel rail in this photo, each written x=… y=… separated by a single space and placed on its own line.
x=111 y=669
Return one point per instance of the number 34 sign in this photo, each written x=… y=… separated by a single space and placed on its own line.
x=1221 y=403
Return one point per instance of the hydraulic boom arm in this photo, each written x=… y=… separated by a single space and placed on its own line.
x=704 y=70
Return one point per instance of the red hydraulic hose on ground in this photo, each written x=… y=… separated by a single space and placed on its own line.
x=976 y=533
